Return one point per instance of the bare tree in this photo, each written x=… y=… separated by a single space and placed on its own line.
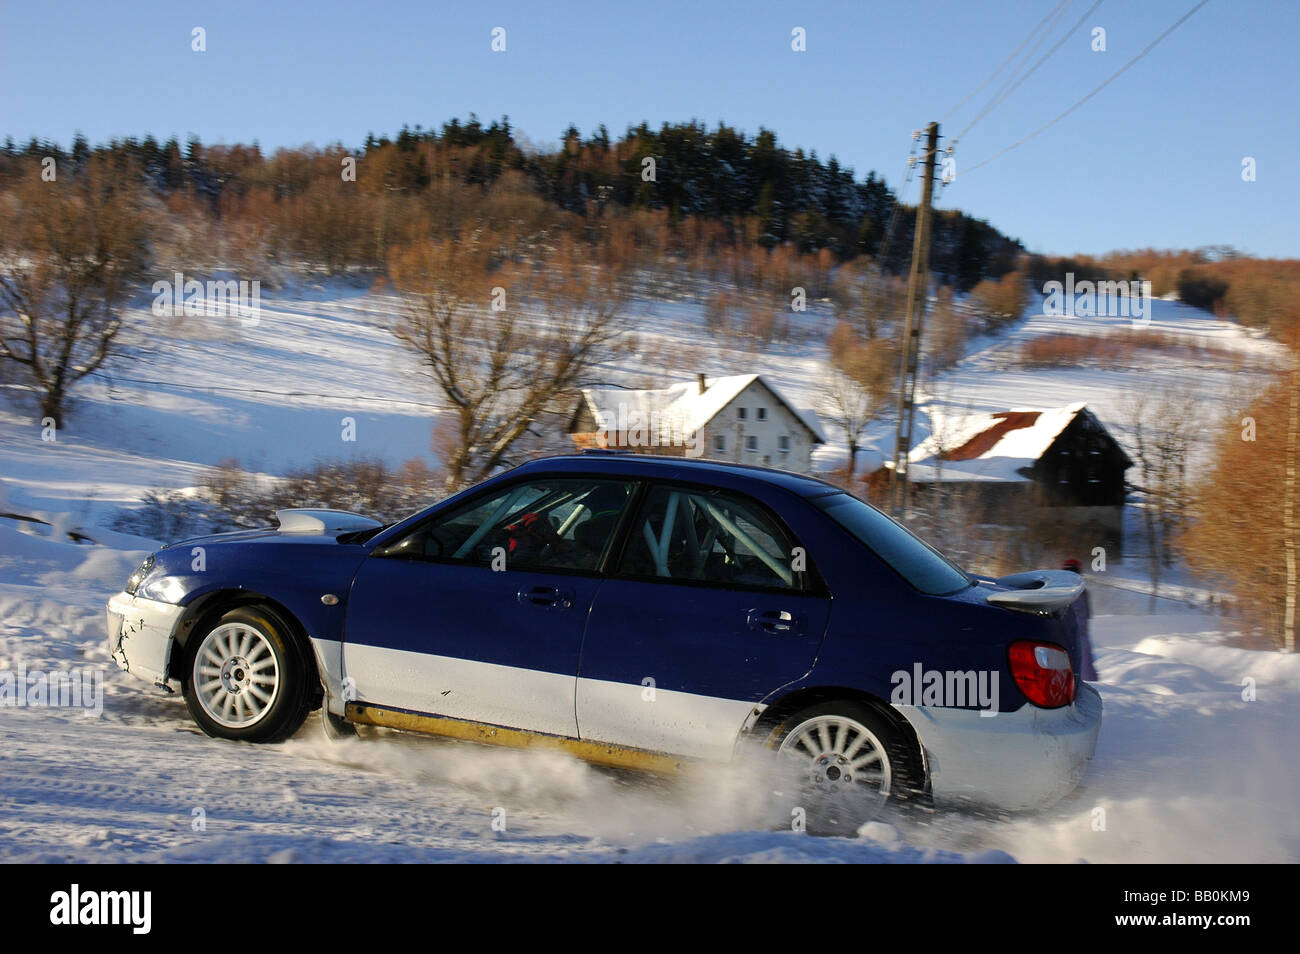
x=850 y=407
x=503 y=342
x=71 y=252
x=1162 y=429
x=1001 y=302
x=861 y=383
x=867 y=300
x=947 y=331
x=942 y=506
x=872 y=363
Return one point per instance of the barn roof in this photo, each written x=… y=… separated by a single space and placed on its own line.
x=996 y=446
x=682 y=406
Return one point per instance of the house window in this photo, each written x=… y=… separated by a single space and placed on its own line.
x=740 y=413
x=719 y=442
x=762 y=414
x=783 y=442
x=751 y=444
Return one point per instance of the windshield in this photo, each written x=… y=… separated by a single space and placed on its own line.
x=910 y=557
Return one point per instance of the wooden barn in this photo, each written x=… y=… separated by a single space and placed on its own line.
x=1058 y=470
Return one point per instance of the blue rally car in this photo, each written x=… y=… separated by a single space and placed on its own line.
x=639 y=611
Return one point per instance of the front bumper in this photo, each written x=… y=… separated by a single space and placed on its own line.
x=1018 y=760
x=141 y=634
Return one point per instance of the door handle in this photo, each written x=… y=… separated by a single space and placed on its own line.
x=773 y=621
x=545 y=596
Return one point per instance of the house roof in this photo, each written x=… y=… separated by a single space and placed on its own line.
x=995 y=446
x=682 y=407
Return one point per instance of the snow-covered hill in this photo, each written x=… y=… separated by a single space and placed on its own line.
x=1186 y=769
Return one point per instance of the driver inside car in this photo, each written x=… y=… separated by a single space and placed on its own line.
x=529 y=537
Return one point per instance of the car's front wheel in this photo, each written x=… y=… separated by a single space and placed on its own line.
x=246 y=679
x=845 y=762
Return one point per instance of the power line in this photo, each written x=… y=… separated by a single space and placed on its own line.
x=1000 y=97
x=882 y=250
x=1114 y=76
x=1018 y=69
x=965 y=99
x=887 y=239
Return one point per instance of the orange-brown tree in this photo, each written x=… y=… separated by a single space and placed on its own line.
x=1245 y=509
x=861 y=385
x=1002 y=301
x=71 y=253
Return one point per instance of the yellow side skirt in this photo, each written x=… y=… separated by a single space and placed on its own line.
x=598 y=752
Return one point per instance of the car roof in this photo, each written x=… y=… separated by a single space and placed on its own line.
x=678 y=468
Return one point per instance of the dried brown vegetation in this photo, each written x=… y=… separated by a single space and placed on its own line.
x=1243 y=526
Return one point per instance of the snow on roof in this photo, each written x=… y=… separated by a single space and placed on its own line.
x=993 y=446
x=871 y=458
x=681 y=406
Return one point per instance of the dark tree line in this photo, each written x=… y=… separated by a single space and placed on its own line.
x=756 y=189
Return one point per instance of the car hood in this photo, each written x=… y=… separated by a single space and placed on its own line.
x=261 y=536
x=297 y=526
x=273 y=562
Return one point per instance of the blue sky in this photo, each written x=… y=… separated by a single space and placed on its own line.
x=1153 y=160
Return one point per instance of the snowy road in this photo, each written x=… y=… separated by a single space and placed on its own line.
x=1185 y=771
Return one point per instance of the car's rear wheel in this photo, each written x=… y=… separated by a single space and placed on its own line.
x=845 y=761
x=246 y=679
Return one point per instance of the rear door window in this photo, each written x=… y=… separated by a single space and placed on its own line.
x=920 y=564
x=687 y=535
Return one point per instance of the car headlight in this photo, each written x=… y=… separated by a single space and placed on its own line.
x=167 y=589
x=135 y=579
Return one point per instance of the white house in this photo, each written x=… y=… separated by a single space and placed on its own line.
x=740 y=418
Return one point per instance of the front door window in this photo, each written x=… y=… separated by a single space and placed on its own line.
x=560 y=524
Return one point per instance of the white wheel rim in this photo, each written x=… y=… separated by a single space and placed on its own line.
x=842 y=763
x=236 y=676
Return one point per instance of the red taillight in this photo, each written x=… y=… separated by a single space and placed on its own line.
x=1043 y=673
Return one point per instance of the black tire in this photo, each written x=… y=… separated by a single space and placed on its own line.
x=826 y=810
x=275 y=655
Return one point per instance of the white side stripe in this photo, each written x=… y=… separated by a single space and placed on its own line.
x=626 y=714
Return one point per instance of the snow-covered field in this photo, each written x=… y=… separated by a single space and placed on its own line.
x=1186 y=768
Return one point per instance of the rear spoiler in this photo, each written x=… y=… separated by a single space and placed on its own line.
x=320 y=521
x=1039 y=591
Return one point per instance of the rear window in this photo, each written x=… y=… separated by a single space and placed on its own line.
x=911 y=558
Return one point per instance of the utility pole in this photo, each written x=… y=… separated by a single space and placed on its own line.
x=918 y=284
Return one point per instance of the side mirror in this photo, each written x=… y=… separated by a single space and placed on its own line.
x=414 y=544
